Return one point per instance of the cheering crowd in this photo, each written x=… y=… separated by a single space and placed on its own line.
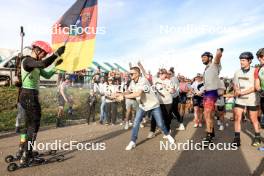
x=139 y=95
x=134 y=97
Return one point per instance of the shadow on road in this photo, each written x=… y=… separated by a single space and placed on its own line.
x=95 y=140
x=174 y=125
x=214 y=162
x=260 y=169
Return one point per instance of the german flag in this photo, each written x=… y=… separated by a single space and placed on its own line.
x=76 y=29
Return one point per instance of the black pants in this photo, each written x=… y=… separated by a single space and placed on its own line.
x=175 y=110
x=111 y=112
x=90 y=113
x=165 y=110
x=261 y=120
x=30 y=102
x=262 y=104
x=122 y=106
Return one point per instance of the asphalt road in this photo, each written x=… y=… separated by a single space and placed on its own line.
x=146 y=159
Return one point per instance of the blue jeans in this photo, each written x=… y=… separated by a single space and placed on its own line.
x=155 y=113
x=102 y=111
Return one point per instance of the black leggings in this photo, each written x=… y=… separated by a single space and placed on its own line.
x=90 y=113
x=30 y=102
x=175 y=110
x=165 y=110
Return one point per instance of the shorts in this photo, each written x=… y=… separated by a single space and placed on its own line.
x=130 y=103
x=183 y=98
x=220 y=108
x=198 y=101
x=209 y=100
x=249 y=108
x=61 y=100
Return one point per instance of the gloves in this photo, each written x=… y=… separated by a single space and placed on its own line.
x=60 y=50
x=58 y=62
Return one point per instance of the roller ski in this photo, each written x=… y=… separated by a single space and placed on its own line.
x=17 y=157
x=26 y=162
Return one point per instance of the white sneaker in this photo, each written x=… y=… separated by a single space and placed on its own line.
x=195 y=125
x=221 y=127
x=170 y=139
x=151 y=135
x=181 y=127
x=130 y=123
x=200 y=125
x=126 y=126
x=131 y=145
x=141 y=125
x=218 y=122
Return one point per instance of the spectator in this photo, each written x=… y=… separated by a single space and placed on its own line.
x=91 y=103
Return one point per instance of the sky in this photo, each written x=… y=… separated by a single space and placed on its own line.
x=159 y=33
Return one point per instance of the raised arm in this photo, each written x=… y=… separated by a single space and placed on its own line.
x=142 y=69
x=218 y=56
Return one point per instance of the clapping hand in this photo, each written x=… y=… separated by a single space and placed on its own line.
x=119 y=97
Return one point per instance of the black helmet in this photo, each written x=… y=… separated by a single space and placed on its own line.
x=208 y=54
x=246 y=55
x=260 y=52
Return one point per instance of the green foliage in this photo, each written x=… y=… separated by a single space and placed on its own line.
x=49 y=105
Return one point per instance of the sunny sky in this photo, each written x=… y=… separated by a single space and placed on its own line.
x=159 y=33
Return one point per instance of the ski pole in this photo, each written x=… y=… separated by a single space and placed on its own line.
x=22 y=34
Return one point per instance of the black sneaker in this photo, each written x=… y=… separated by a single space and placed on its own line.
x=236 y=142
x=213 y=134
x=30 y=158
x=256 y=142
x=207 y=141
